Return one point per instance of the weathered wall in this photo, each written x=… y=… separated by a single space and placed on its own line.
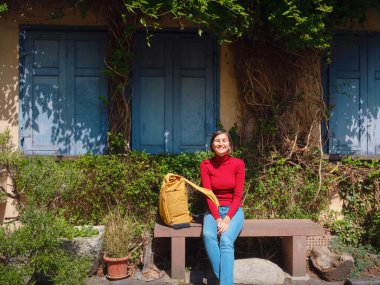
x=9 y=77
x=228 y=88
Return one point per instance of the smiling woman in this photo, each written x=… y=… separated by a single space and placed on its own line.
x=224 y=175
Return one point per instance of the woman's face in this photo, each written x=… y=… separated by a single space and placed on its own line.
x=221 y=144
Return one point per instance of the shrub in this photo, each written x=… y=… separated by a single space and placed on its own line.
x=284 y=191
x=130 y=182
x=33 y=250
x=364 y=256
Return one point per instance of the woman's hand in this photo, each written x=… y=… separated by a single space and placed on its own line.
x=223 y=224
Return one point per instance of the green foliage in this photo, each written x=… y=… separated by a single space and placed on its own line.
x=105 y=181
x=14 y=275
x=284 y=191
x=117 y=144
x=348 y=231
x=33 y=250
x=364 y=256
x=9 y=157
x=70 y=271
x=3 y=8
x=298 y=23
x=359 y=191
x=225 y=18
x=80 y=231
x=45 y=179
x=131 y=181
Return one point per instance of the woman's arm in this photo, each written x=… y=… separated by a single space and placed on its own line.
x=206 y=183
x=239 y=187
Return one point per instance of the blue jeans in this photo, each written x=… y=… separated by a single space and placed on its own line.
x=221 y=254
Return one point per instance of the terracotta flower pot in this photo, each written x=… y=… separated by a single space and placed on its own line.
x=117 y=268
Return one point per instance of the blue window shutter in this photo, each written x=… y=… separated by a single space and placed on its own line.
x=194 y=93
x=63 y=113
x=348 y=89
x=173 y=93
x=87 y=107
x=151 y=95
x=372 y=113
x=44 y=70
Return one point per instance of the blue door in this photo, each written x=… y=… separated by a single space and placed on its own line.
x=354 y=90
x=173 y=100
x=62 y=93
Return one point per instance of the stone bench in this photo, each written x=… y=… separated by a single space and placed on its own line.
x=292 y=231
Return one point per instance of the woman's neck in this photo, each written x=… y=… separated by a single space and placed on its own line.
x=221 y=159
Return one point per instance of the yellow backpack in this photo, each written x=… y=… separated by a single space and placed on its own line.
x=173 y=200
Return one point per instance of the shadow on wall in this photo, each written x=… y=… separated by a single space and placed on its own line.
x=9 y=94
x=356 y=120
x=63 y=93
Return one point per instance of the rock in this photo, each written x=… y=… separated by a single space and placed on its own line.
x=90 y=247
x=257 y=271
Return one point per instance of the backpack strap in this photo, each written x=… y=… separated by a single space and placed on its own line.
x=205 y=191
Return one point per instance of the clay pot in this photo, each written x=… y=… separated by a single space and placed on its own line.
x=117 y=268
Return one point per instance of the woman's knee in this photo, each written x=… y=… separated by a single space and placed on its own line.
x=208 y=235
x=226 y=241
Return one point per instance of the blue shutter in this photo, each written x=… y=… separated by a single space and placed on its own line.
x=151 y=95
x=62 y=86
x=348 y=89
x=373 y=107
x=173 y=95
x=44 y=97
x=194 y=90
x=87 y=109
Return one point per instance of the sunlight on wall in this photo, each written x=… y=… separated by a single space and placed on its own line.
x=228 y=88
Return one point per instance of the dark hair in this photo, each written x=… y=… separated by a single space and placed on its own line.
x=221 y=132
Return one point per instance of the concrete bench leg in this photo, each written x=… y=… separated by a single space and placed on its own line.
x=294 y=253
x=178 y=257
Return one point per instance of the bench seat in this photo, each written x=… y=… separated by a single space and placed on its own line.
x=292 y=231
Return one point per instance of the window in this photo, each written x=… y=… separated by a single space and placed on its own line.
x=354 y=95
x=62 y=90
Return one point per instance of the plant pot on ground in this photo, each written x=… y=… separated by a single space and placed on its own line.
x=121 y=239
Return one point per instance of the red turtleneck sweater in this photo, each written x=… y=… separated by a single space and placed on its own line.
x=225 y=177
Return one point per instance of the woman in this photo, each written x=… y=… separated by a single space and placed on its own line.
x=224 y=175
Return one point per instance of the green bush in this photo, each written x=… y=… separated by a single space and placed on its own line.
x=359 y=191
x=364 y=256
x=284 y=191
x=33 y=250
x=130 y=182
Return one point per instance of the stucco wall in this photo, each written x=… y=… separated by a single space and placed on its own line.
x=9 y=77
x=228 y=88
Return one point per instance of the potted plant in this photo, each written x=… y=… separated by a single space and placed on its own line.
x=121 y=239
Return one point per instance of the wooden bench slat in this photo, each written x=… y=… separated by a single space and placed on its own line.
x=252 y=228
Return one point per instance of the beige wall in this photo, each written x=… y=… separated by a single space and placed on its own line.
x=9 y=77
x=228 y=88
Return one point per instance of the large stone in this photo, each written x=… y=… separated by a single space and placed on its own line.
x=89 y=247
x=257 y=272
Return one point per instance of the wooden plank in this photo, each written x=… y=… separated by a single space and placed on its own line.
x=252 y=228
